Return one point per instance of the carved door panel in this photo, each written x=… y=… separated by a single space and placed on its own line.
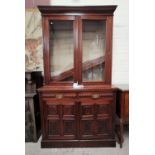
x=95 y=121
x=104 y=119
x=87 y=120
x=69 y=120
x=61 y=119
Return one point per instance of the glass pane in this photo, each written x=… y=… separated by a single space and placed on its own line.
x=93 y=50
x=61 y=50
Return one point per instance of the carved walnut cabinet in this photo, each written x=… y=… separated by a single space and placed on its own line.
x=77 y=100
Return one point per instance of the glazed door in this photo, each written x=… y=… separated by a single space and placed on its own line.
x=96 y=120
x=59 y=48
x=94 y=49
x=60 y=119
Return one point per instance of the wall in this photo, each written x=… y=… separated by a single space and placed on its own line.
x=120 y=67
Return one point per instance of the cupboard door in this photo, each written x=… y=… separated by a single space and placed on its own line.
x=95 y=121
x=61 y=119
x=93 y=49
x=61 y=48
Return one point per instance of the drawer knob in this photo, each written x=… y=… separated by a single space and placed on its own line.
x=59 y=96
x=95 y=96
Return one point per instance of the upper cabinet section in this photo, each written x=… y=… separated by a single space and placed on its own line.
x=77 y=44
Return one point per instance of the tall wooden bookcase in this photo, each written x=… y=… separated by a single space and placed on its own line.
x=77 y=48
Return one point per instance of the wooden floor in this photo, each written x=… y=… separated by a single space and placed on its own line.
x=34 y=149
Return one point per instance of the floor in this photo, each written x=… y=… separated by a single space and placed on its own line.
x=34 y=149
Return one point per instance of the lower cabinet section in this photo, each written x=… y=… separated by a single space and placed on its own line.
x=78 y=122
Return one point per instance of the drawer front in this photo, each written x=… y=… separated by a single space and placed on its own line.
x=59 y=95
x=60 y=118
x=95 y=95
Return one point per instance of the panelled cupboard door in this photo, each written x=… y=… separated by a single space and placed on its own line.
x=60 y=119
x=96 y=121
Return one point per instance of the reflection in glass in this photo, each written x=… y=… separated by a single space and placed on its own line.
x=93 y=50
x=61 y=50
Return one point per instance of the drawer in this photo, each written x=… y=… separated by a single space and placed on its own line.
x=59 y=95
x=95 y=95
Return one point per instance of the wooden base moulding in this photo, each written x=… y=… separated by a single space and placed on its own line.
x=77 y=143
